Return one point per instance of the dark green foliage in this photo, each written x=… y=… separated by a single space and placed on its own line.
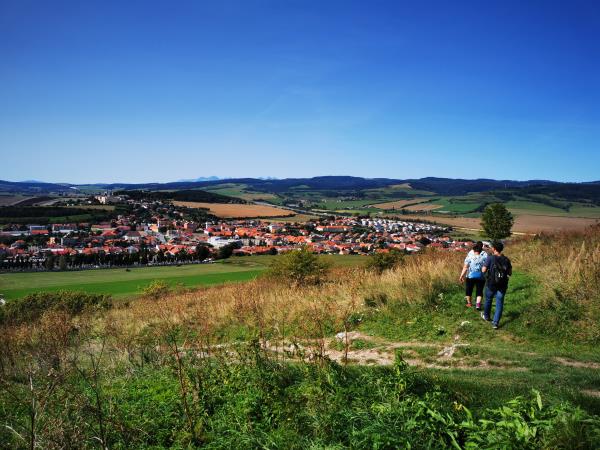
x=300 y=267
x=183 y=195
x=32 y=306
x=527 y=424
x=257 y=402
x=46 y=214
x=497 y=221
x=62 y=262
x=226 y=251
x=380 y=262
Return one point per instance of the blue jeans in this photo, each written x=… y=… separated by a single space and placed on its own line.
x=487 y=309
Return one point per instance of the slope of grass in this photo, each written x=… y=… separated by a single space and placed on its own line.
x=516 y=345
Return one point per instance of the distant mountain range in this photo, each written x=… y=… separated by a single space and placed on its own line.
x=441 y=186
x=188 y=180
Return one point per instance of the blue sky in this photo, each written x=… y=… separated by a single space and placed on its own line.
x=101 y=91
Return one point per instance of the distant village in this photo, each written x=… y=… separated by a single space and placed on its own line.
x=159 y=233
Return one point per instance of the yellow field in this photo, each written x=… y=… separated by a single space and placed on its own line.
x=526 y=223
x=423 y=207
x=401 y=186
x=296 y=218
x=398 y=204
x=228 y=210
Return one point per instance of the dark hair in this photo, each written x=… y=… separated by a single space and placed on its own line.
x=498 y=246
x=478 y=247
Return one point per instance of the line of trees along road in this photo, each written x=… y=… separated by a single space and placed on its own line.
x=101 y=259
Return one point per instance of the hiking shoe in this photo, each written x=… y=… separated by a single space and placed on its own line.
x=483 y=317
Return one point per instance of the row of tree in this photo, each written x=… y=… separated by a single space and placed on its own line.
x=80 y=260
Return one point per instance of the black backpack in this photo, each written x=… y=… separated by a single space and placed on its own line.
x=500 y=270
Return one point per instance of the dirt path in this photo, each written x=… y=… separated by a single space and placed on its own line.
x=578 y=364
x=362 y=349
x=383 y=352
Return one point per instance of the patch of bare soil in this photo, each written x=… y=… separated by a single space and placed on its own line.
x=383 y=353
x=578 y=364
x=591 y=393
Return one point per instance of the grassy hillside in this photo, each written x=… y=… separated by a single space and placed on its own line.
x=258 y=364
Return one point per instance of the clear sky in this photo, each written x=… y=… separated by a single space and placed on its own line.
x=135 y=91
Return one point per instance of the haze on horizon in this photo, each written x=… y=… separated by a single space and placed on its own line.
x=155 y=91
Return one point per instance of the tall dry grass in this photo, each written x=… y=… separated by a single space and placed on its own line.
x=567 y=267
x=280 y=314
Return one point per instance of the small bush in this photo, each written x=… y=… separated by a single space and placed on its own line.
x=301 y=267
x=156 y=289
x=381 y=262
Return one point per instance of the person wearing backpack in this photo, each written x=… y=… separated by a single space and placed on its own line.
x=498 y=270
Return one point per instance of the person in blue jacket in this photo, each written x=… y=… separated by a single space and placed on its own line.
x=472 y=274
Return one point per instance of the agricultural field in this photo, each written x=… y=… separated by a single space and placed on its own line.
x=334 y=205
x=574 y=210
x=94 y=207
x=524 y=223
x=9 y=199
x=123 y=283
x=397 y=190
x=300 y=218
x=240 y=191
x=423 y=207
x=399 y=204
x=232 y=210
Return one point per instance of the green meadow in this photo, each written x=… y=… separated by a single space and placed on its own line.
x=122 y=282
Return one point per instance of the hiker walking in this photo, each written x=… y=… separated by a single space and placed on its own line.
x=498 y=269
x=472 y=269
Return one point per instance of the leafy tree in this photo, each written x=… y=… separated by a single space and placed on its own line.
x=202 y=252
x=497 y=221
x=381 y=262
x=226 y=251
x=62 y=262
x=49 y=263
x=300 y=267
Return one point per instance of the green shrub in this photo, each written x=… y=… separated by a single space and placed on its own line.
x=32 y=306
x=156 y=289
x=380 y=262
x=301 y=267
x=527 y=424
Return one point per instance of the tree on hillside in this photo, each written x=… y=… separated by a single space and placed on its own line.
x=497 y=221
x=300 y=267
x=226 y=251
x=50 y=261
x=380 y=262
x=202 y=252
x=62 y=262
